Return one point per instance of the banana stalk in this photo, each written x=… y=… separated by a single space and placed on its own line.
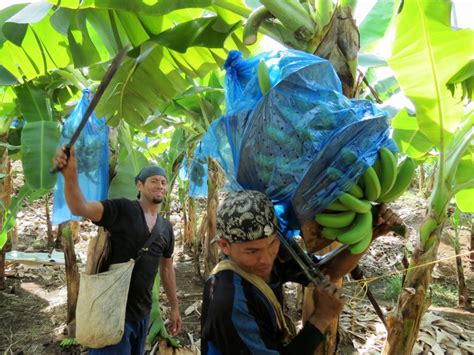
x=280 y=34
x=348 y=3
x=324 y=9
x=293 y=16
x=253 y=23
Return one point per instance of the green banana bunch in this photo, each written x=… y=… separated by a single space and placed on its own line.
x=361 y=226
x=336 y=206
x=404 y=175
x=353 y=203
x=388 y=170
x=349 y=218
x=372 y=187
x=357 y=235
x=337 y=219
x=383 y=182
x=361 y=245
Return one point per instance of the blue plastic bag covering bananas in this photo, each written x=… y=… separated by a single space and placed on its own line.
x=303 y=143
x=92 y=155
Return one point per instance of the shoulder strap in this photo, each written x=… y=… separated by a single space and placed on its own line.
x=261 y=285
x=152 y=237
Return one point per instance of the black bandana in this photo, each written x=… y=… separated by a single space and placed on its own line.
x=150 y=170
x=244 y=216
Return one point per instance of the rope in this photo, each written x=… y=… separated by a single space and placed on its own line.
x=399 y=272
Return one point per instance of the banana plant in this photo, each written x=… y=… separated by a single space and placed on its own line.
x=434 y=51
x=457 y=221
x=163 y=51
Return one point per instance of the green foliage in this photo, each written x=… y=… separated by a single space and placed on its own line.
x=192 y=43
x=9 y=215
x=392 y=287
x=38 y=141
x=34 y=103
x=68 y=343
x=30 y=46
x=434 y=51
x=376 y=23
x=161 y=7
x=129 y=164
x=158 y=327
x=210 y=32
x=444 y=294
x=407 y=135
x=465 y=79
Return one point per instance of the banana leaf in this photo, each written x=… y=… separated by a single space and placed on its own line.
x=130 y=162
x=10 y=214
x=34 y=103
x=435 y=52
x=38 y=141
x=410 y=140
x=210 y=32
x=376 y=23
x=161 y=7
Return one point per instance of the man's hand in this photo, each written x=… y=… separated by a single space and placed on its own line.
x=174 y=326
x=328 y=301
x=385 y=220
x=66 y=165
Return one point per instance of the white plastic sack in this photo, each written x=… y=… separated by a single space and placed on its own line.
x=101 y=304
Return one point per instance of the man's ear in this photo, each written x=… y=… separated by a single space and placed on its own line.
x=223 y=245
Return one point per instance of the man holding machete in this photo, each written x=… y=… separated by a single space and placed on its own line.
x=131 y=225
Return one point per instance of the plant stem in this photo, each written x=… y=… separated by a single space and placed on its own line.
x=230 y=5
x=293 y=16
x=460 y=187
x=324 y=11
x=348 y=3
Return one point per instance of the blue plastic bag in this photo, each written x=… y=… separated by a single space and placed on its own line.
x=302 y=144
x=92 y=159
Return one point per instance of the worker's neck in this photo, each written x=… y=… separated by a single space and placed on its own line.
x=149 y=207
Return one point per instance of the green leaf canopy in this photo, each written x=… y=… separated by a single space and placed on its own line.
x=38 y=140
x=426 y=54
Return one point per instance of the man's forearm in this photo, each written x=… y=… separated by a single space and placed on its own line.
x=168 y=280
x=341 y=265
x=77 y=203
x=74 y=197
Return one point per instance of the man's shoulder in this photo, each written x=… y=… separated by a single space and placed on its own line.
x=121 y=202
x=229 y=281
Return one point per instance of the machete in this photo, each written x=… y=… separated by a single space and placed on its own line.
x=95 y=100
x=304 y=261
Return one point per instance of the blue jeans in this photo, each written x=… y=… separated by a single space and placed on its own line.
x=132 y=343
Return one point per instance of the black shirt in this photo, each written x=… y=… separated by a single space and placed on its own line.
x=126 y=222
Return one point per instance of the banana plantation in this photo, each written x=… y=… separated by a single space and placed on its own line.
x=336 y=110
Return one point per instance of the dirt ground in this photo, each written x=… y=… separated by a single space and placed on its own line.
x=33 y=308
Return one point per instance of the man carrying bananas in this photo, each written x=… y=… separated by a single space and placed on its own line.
x=242 y=312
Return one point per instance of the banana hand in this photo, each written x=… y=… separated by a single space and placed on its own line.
x=371 y=184
x=361 y=226
x=354 y=204
x=404 y=176
x=388 y=170
x=335 y=220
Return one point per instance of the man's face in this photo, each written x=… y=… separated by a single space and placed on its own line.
x=153 y=188
x=255 y=257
